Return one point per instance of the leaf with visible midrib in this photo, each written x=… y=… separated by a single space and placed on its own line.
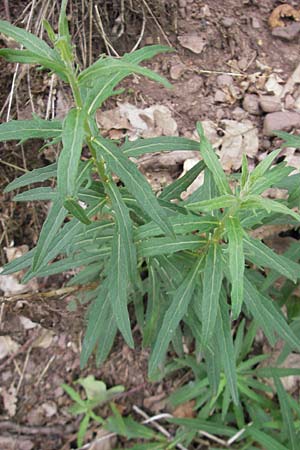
x=181 y=299
x=134 y=181
x=118 y=278
x=236 y=263
x=68 y=162
x=212 y=281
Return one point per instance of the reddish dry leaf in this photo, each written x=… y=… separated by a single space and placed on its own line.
x=186 y=410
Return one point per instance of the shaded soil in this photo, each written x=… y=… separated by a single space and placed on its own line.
x=237 y=40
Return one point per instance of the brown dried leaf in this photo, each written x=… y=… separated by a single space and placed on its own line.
x=281 y=11
x=186 y=410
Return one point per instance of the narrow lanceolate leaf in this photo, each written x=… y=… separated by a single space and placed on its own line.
x=258 y=202
x=287 y=414
x=224 y=201
x=264 y=439
x=180 y=302
x=106 y=338
x=42 y=193
x=118 y=286
x=22 y=130
x=258 y=253
x=236 y=263
x=28 y=40
x=158 y=144
x=289 y=139
x=76 y=210
x=48 y=233
x=154 y=307
x=108 y=65
x=125 y=227
x=226 y=347
x=166 y=245
x=35 y=176
x=268 y=317
x=180 y=224
x=263 y=166
x=27 y=57
x=103 y=87
x=175 y=189
x=97 y=321
x=212 y=281
x=212 y=162
x=134 y=181
x=68 y=162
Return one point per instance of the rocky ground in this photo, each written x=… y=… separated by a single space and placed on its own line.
x=236 y=69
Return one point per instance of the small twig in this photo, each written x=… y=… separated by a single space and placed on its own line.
x=141 y=33
x=103 y=34
x=213 y=438
x=218 y=72
x=7 y=12
x=160 y=428
x=50 y=102
x=46 y=369
x=49 y=294
x=24 y=370
x=35 y=431
x=157 y=23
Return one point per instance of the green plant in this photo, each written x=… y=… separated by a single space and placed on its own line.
x=187 y=269
x=258 y=418
x=96 y=395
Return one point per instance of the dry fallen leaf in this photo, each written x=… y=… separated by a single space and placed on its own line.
x=282 y=11
x=185 y=410
x=10 y=400
x=7 y=346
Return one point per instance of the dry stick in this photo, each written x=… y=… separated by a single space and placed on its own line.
x=49 y=101
x=90 y=9
x=45 y=369
x=7 y=12
x=13 y=166
x=103 y=35
x=18 y=65
x=157 y=23
x=23 y=370
x=35 y=431
x=48 y=294
x=161 y=429
x=141 y=33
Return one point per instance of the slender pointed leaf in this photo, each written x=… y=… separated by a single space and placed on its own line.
x=28 y=40
x=134 y=181
x=287 y=414
x=212 y=162
x=42 y=193
x=258 y=253
x=174 y=314
x=35 y=176
x=159 y=144
x=68 y=162
x=236 y=263
x=161 y=246
x=224 y=201
x=118 y=286
x=212 y=281
x=30 y=129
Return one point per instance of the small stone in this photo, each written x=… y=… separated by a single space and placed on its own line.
x=270 y=103
x=283 y=121
x=227 y=22
x=287 y=33
x=289 y=102
x=255 y=23
x=205 y=11
x=224 y=80
x=220 y=114
x=182 y=3
x=220 y=97
x=243 y=63
x=266 y=144
x=251 y=104
x=176 y=70
x=182 y=12
x=238 y=113
x=192 y=42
